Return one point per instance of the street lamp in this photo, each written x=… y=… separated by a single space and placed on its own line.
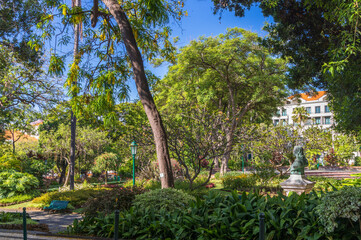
x=133 y=148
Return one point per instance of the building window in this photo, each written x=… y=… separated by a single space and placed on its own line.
x=276 y=122
x=308 y=121
x=327 y=109
x=284 y=112
x=327 y=120
x=284 y=123
x=318 y=109
x=278 y=113
x=317 y=120
x=308 y=109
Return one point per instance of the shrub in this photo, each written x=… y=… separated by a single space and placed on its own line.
x=16 y=183
x=217 y=217
x=238 y=182
x=77 y=186
x=169 y=199
x=17 y=199
x=357 y=161
x=76 y=197
x=338 y=205
x=115 y=199
x=144 y=183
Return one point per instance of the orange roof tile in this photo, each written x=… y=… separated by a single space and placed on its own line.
x=309 y=97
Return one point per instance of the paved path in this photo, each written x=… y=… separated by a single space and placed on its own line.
x=56 y=222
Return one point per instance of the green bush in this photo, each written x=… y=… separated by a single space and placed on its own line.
x=76 y=197
x=221 y=217
x=115 y=199
x=17 y=199
x=357 y=161
x=16 y=183
x=342 y=204
x=144 y=183
x=238 y=182
x=169 y=199
x=325 y=183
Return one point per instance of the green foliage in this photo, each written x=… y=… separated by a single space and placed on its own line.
x=76 y=198
x=106 y=161
x=339 y=205
x=230 y=217
x=9 y=217
x=325 y=184
x=321 y=39
x=13 y=183
x=239 y=182
x=17 y=199
x=9 y=161
x=357 y=161
x=107 y=202
x=167 y=199
x=148 y=184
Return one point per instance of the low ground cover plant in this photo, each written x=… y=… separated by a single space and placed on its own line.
x=17 y=199
x=223 y=217
x=76 y=198
x=340 y=206
x=238 y=182
x=169 y=199
x=14 y=218
x=14 y=183
x=120 y=198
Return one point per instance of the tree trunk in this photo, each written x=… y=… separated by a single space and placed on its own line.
x=227 y=154
x=67 y=178
x=160 y=137
x=72 y=150
x=73 y=117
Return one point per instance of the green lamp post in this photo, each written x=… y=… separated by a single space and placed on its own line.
x=133 y=148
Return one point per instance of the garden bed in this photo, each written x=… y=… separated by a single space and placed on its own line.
x=31 y=227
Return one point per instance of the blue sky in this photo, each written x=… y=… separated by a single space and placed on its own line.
x=202 y=22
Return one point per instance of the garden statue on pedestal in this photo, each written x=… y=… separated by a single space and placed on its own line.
x=297 y=182
x=298 y=166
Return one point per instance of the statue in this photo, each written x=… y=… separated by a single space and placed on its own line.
x=298 y=166
x=297 y=182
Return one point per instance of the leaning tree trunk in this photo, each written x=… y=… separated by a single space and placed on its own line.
x=160 y=137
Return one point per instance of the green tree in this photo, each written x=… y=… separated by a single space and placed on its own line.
x=19 y=124
x=273 y=146
x=89 y=144
x=22 y=84
x=299 y=115
x=231 y=74
x=322 y=40
x=105 y=162
x=139 y=25
x=317 y=141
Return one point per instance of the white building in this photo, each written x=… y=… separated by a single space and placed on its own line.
x=315 y=105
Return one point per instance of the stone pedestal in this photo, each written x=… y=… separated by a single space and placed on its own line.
x=298 y=184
